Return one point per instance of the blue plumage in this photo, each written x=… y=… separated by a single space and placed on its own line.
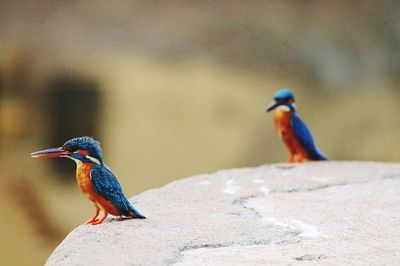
x=94 y=178
x=107 y=186
x=284 y=94
x=85 y=143
x=304 y=136
x=292 y=129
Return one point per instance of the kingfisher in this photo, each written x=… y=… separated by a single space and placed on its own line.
x=292 y=130
x=94 y=178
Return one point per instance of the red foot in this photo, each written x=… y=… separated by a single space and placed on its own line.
x=295 y=159
x=101 y=220
x=92 y=221
x=94 y=218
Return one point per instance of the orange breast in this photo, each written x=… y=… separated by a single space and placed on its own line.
x=285 y=131
x=86 y=185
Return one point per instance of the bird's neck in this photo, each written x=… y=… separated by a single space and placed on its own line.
x=285 y=109
x=282 y=116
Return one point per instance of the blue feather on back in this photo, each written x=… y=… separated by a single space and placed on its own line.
x=304 y=136
x=107 y=185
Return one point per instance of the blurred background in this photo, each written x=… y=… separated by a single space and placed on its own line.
x=177 y=88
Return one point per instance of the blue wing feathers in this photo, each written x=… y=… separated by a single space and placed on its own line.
x=304 y=136
x=107 y=185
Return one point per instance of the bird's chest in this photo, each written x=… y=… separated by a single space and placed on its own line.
x=283 y=124
x=282 y=118
x=83 y=178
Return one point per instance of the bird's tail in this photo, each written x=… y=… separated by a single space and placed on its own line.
x=321 y=156
x=134 y=213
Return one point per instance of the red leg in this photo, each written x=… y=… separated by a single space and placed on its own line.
x=102 y=218
x=94 y=218
x=299 y=158
x=295 y=158
x=291 y=158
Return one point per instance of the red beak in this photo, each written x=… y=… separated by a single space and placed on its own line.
x=50 y=153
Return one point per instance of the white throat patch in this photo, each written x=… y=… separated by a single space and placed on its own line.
x=92 y=159
x=78 y=162
x=283 y=108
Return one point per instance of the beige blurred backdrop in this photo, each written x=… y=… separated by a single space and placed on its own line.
x=177 y=88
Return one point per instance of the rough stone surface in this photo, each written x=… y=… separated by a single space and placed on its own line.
x=332 y=213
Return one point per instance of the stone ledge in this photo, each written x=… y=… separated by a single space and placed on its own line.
x=331 y=212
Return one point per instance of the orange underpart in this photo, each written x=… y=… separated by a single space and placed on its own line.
x=285 y=131
x=85 y=183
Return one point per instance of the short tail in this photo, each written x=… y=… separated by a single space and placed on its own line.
x=134 y=213
x=320 y=156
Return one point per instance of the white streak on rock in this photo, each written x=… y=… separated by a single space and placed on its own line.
x=230 y=187
x=273 y=221
x=308 y=230
x=205 y=183
x=261 y=207
x=265 y=190
x=258 y=181
x=320 y=179
x=266 y=213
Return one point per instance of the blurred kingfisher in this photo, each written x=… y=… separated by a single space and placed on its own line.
x=293 y=131
x=94 y=178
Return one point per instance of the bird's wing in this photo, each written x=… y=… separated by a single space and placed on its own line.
x=106 y=185
x=304 y=136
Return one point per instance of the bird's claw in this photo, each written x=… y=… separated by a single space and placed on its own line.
x=92 y=222
x=95 y=220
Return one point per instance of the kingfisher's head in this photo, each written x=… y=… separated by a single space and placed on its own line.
x=82 y=149
x=284 y=98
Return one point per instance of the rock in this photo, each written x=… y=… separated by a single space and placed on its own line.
x=330 y=213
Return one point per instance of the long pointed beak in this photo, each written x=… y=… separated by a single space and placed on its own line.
x=50 y=153
x=271 y=106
